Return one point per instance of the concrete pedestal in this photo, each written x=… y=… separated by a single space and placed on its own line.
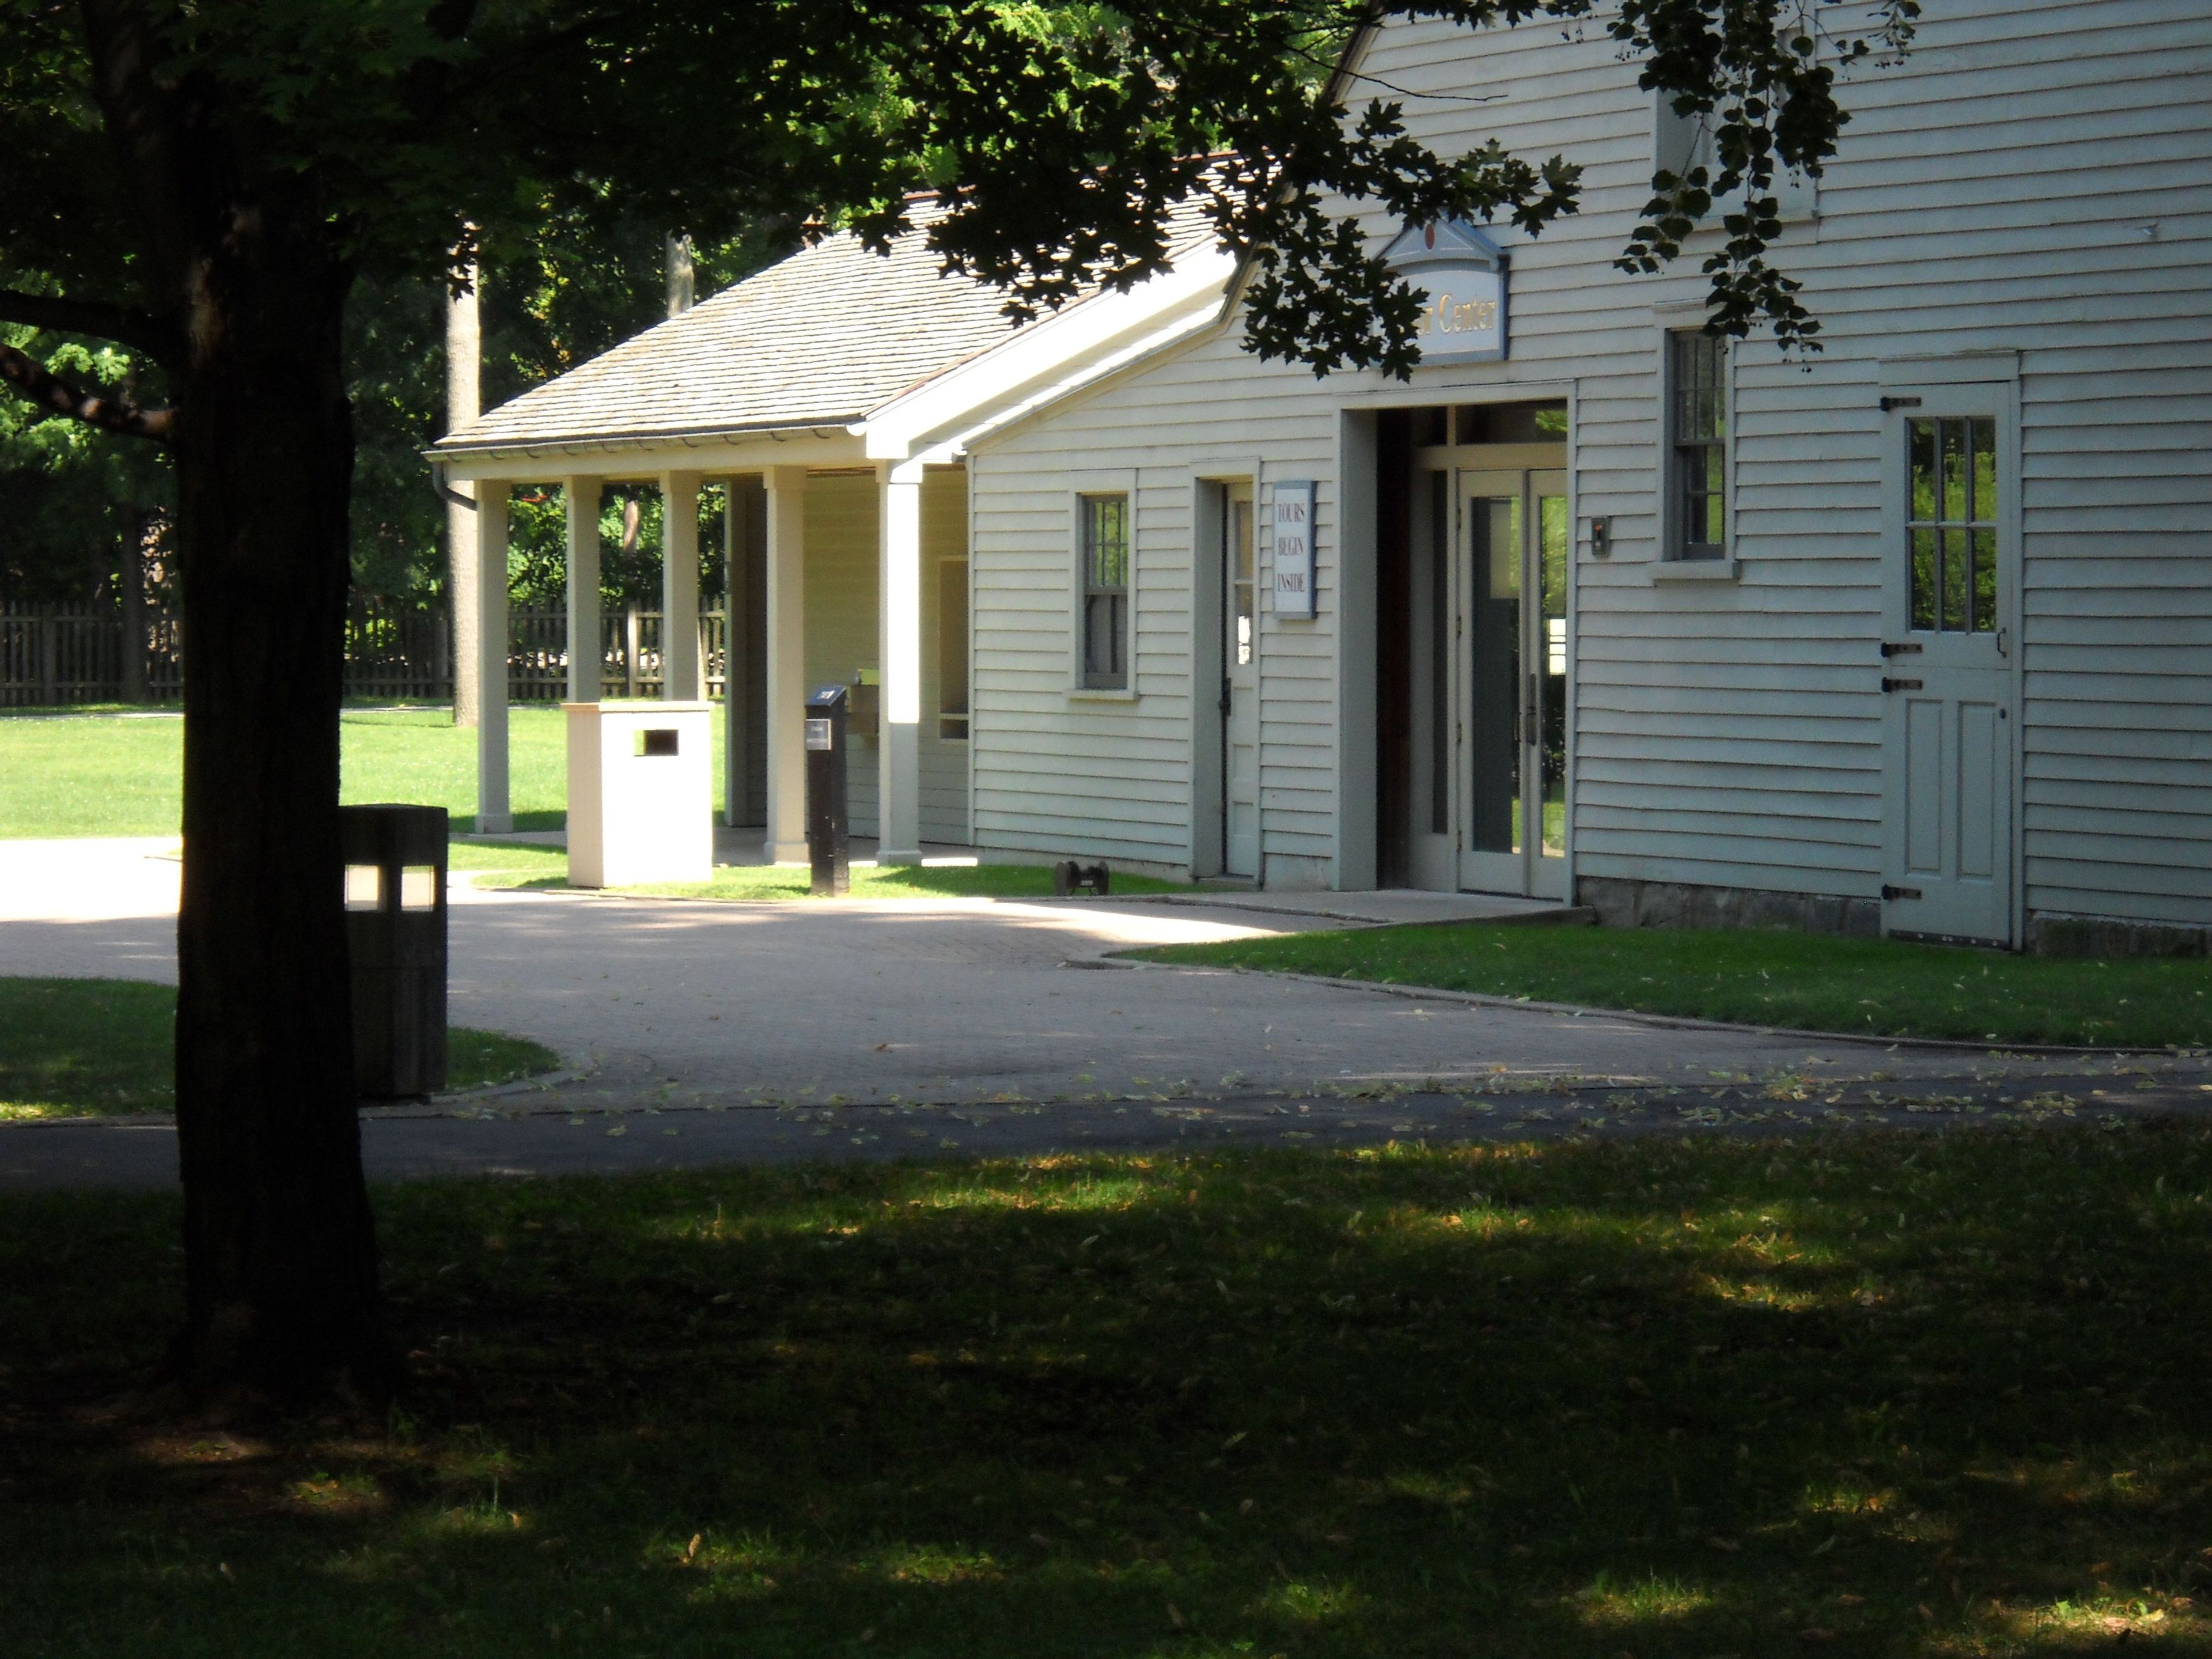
x=641 y=792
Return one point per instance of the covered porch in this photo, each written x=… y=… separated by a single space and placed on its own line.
x=831 y=397
x=837 y=569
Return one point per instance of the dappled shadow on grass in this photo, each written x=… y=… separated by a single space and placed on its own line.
x=74 y=1048
x=89 y=1048
x=1659 y=1398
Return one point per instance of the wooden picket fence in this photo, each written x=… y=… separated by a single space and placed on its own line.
x=55 y=656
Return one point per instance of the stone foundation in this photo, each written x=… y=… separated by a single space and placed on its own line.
x=1622 y=903
x=2111 y=936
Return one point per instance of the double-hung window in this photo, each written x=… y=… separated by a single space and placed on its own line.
x=1105 y=542
x=1697 y=445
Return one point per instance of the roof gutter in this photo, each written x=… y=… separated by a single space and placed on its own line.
x=691 y=437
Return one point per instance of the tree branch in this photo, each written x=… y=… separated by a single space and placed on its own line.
x=48 y=390
x=141 y=330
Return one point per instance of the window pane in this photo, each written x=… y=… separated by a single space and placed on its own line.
x=1493 y=659
x=1106 y=586
x=1920 y=450
x=1552 y=534
x=1698 y=409
x=1103 y=639
x=1700 y=400
x=1955 y=581
x=1106 y=542
x=1551 y=678
x=1923 y=579
x=1984 y=503
x=1954 y=471
x=1503 y=541
x=1985 y=580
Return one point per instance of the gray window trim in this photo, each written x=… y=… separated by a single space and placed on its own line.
x=1687 y=453
x=1103 y=616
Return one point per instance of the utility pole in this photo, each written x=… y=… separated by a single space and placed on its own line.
x=681 y=287
x=463 y=352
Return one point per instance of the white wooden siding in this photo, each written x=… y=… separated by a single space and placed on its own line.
x=1990 y=196
x=944 y=760
x=841 y=606
x=844 y=600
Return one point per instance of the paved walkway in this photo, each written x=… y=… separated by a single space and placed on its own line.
x=702 y=1008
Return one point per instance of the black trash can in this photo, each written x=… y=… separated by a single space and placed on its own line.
x=827 y=832
x=395 y=901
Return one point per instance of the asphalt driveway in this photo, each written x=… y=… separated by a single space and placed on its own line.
x=916 y=1008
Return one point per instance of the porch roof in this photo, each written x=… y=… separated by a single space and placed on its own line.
x=822 y=339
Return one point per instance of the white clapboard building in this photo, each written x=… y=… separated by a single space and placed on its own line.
x=1913 y=635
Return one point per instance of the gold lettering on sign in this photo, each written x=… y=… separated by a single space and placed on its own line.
x=1448 y=314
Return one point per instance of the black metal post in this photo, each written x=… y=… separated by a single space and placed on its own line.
x=826 y=820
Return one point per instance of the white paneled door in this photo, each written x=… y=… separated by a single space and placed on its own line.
x=1240 y=687
x=1950 y=659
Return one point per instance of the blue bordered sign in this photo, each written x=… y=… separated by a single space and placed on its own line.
x=1296 y=593
x=1462 y=273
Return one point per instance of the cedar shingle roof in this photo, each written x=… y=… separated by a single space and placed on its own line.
x=820 y=338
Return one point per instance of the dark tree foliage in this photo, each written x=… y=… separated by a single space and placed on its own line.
x=548 y=304
x=210 y=184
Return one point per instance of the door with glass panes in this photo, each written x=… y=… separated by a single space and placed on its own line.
x=1949 y=662
x=1240 y=687
x=1513 y=536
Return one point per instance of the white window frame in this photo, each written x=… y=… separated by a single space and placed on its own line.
x=1675 y=562
x=1083 y=486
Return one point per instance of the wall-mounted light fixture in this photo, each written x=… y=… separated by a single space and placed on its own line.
x=1601 y=539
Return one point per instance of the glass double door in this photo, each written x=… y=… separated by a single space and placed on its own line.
x=1507 y=681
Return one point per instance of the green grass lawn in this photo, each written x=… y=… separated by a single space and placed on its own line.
x=85 y=1047
x=1861 y=1395
x=755 y=882
x=117 y=774
x=1866 y=986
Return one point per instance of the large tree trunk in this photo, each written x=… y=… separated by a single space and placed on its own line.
x=279 y=1249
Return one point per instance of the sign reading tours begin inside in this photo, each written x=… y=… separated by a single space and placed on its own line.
x=1295 y=592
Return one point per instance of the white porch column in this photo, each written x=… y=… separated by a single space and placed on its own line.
x=584 y=654
x=899 y=646
x=680 y=680
x=787 y=665
x=489 y=670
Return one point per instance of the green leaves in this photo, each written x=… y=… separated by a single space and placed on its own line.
x=1062 y=138
x=1756 y=83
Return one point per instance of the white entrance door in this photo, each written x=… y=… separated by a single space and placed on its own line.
x=1949 y=657
x=1240 y=687
x=1511 y=671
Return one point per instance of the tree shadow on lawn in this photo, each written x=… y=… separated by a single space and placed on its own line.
x=1877 y=1394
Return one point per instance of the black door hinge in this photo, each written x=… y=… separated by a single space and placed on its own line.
x=1889 y=892
x=1909 y=648
x=1889 y=684
x=1888 y=403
